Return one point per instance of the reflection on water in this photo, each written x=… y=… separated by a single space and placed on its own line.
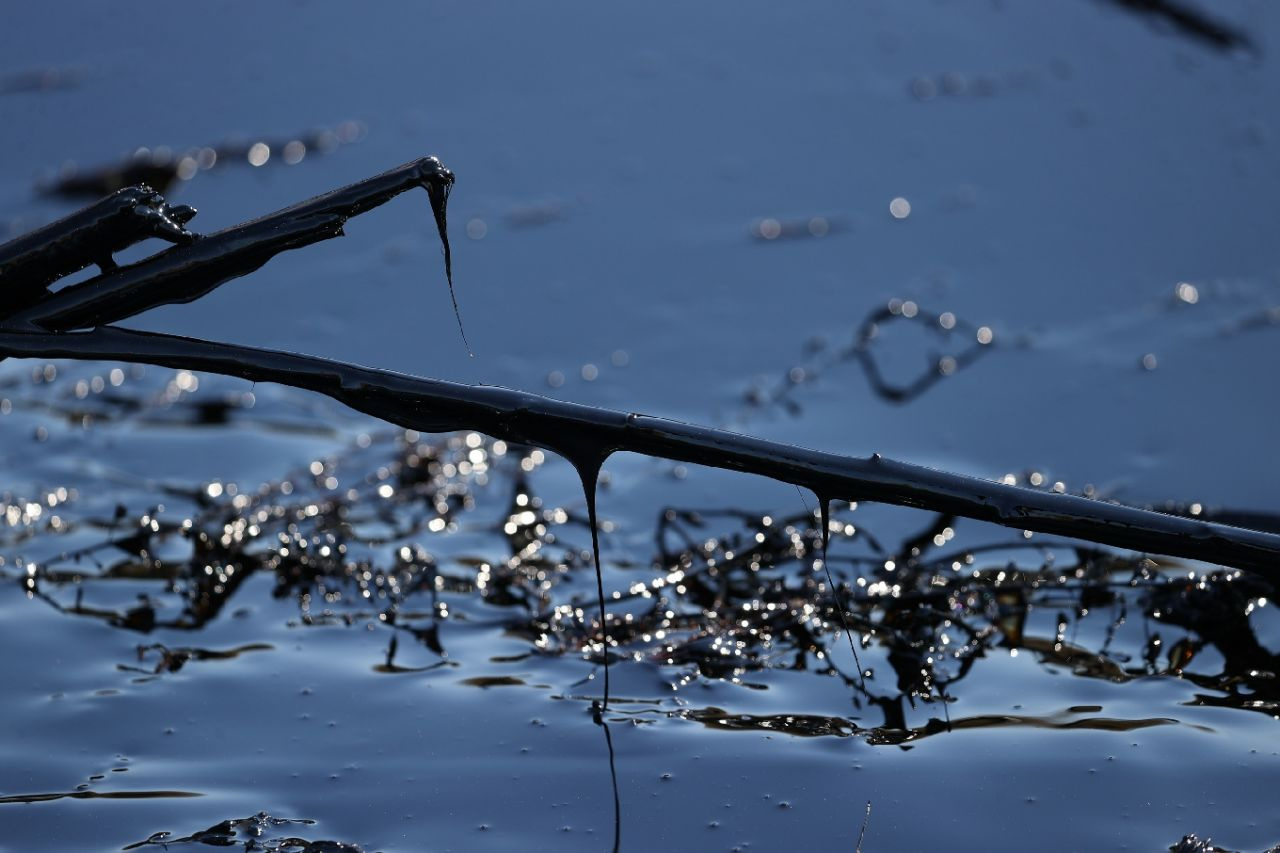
x=893 y=376
x=812 y=726
x=172 y=660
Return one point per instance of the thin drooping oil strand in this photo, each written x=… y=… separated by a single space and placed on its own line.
x=589 y=472
x=438 y=192
x=588 y=468
x=824 y=516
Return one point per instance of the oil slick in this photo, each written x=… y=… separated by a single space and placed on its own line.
x=27 y=799
x=252 y=833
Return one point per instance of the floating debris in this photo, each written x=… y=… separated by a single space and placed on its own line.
x=251 y=833
x=50 y=79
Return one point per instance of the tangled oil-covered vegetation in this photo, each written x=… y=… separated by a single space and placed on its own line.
x=422 y=537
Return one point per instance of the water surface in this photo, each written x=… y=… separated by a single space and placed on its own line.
x=689 y=212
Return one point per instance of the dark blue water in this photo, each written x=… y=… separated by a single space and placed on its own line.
x=689 y=212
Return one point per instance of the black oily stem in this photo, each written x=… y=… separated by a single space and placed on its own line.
x=187 y=272
x=586 y=436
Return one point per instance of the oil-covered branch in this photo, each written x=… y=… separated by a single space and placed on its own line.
x=188 y=271
x=587 y=435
